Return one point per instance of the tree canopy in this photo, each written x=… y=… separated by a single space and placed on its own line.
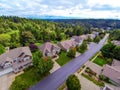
x=73 y=83
x=15 y=31
x=2 y=49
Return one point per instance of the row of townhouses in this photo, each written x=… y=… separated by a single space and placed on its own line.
x=51 y=50
x=20 y=58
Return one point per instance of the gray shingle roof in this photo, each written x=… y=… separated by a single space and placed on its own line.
x=14 y=53
x=67 y=44
x=113 y=72
x=48 y=47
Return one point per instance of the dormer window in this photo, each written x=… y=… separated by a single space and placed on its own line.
x=7 y=64
x=27 y=58
x=21 y=54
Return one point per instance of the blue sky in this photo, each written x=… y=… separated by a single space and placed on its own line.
x=65 y=8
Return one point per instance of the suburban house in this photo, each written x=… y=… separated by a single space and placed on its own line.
x=116 y=42
x=113 y=72
x=17 y=59
x=92 y=36
x=49 y=49
x=84 y=37
x=108 y=88
x=66 y=45
x=78 y=40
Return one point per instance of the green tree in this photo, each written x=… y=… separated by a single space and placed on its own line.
x=72 y=52
x=89 y=39
x=116 y=52
x=36 y=57
x=82 y=48
x=73 y=83
x=107 y=50
x=2 y=49
x=44 y=66
x=5 y=39
x=97 y=39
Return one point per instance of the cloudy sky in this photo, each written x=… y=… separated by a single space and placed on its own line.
x=66 y=8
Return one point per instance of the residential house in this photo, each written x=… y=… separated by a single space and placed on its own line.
x=17 y=59
x=113 y=72
x=66 y=45
x=49 y=49
x=78 y=40
x=92 y=36
x=116 y=42
x=84 y=37
x=107 y=88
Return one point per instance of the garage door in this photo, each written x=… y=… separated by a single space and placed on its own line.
x=5 y=71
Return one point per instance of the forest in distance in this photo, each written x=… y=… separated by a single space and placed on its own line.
x=16 y=31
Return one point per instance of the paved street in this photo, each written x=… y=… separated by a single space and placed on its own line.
x=54 y=80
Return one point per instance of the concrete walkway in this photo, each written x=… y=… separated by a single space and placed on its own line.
x=77 y=54
x=56 y=65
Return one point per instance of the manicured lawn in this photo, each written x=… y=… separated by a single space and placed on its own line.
x=38 y=44
x=63 y=58
x=100 y=61
x=25 y=80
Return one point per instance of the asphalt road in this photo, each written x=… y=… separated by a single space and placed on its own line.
x=54 y=80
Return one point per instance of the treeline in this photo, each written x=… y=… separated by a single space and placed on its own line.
x=96 y=23
x=15 y=31
x=115 y=35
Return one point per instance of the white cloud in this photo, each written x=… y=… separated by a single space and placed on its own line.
x=112 y=3
x=68 y=8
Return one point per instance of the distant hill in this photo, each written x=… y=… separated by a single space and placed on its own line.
x=96 y=23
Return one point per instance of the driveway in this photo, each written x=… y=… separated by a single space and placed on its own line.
x=54 y=80
x=96 y=68
x=7 y=79
x=86 y=84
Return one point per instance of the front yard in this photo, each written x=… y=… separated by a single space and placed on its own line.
x=63 y=58
x=100 y=61
x=25 y=80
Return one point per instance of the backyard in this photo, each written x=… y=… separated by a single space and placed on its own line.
x=63 y=58
x=100 y=61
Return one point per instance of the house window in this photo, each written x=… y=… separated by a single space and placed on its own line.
x=7 y=64
x=26 y=58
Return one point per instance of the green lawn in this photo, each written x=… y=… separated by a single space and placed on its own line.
x=38 y=44
x=63 y=58
x=100 y=61
x=25 y=80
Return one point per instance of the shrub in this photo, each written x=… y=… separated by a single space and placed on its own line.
x=73 y=83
